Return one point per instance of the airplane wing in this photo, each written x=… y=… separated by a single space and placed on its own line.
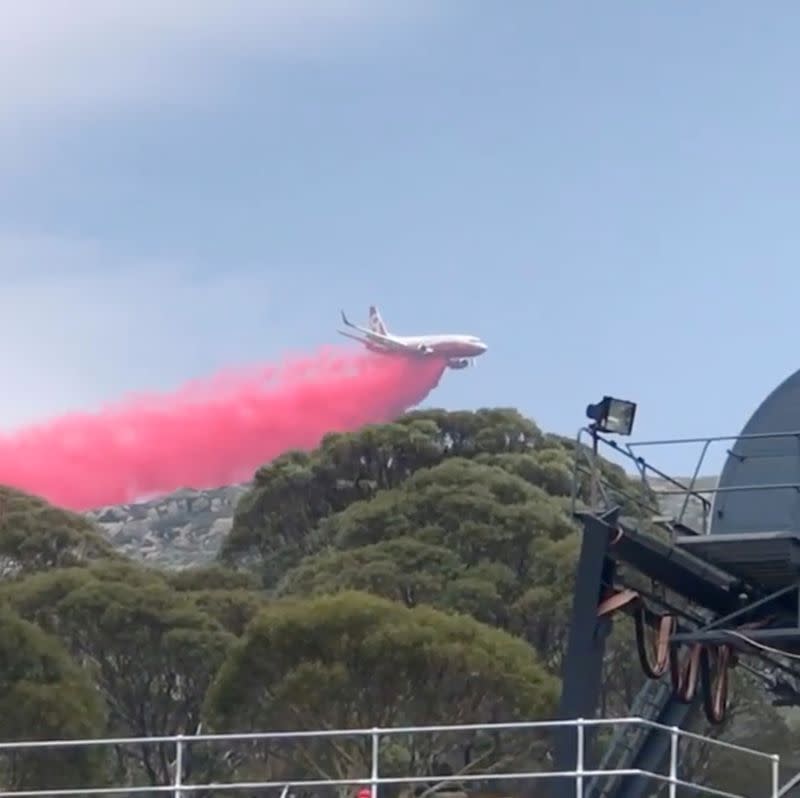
x=382 y=342
x=388 y=346
x=349 y=323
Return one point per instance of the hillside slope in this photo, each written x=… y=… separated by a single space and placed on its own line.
x=188 y=527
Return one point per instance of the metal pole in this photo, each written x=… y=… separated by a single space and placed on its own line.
x=579 y=764
x=178 y=765
x=673 y=761
x=776 y=775
x=376 y=748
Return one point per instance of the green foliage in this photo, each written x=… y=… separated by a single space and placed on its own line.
x=151 y=650
x=403 y=569
x=465 y=512
x=549 y=469
x=354 y=660
x=35 y=535
x=461 y=536
x=43 y=694
x=297 y=491
x=231 y=609
x=378 y=663
x=211 y=577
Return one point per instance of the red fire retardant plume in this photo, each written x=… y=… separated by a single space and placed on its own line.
x=209 y=433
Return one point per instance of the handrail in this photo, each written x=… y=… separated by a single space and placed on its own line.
x=388 y=731
x=374 y=779
x=645 y=469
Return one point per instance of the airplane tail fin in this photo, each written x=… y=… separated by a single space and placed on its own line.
x=376 y=322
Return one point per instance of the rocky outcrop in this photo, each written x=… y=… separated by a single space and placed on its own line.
x=183 y=528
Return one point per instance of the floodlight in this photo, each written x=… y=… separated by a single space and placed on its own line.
x=612 y=415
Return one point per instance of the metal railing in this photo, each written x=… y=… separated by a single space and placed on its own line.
x=181 y=788
x=587 y=461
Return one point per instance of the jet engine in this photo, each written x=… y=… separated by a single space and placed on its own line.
x=458 y=364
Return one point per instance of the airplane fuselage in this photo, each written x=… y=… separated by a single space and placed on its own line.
x=443 y=345
x=457 y=350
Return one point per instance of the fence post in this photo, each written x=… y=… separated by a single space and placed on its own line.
x=673 y=761
x=178 y=766
x=776 y=775
x=376 y=750
x=579 y=763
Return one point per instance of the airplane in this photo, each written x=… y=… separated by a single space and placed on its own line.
x=458 y=350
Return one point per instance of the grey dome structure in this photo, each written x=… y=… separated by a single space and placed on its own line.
x=770 y=458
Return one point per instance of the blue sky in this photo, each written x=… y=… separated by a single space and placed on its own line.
x=606 y=192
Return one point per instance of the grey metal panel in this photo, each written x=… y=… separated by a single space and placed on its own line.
x=769 y=559
x=765 y=461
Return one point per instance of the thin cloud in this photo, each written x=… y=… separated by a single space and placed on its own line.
x=62 y=59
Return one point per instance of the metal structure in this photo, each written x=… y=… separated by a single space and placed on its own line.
x=762 y=456
x=711 y=585
x=574 y=778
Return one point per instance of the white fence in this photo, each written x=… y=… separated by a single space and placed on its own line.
x=375 y=738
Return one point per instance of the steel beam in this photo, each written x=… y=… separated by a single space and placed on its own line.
x=583 y=664
x=746 y=609
x=681 y=572
x=789 y=634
